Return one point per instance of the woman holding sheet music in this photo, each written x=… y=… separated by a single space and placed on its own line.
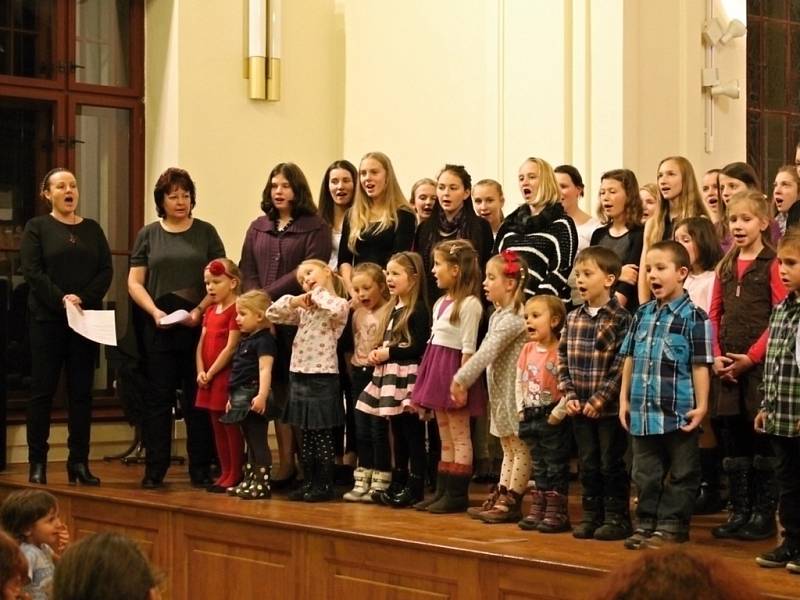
x=65 y=260
x=166 y=275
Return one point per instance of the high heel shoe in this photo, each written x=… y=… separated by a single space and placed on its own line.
x=38 y=473
x=79 y=473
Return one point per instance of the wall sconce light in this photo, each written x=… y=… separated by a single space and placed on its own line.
x=714 y=33
x=729 y=90
x=264 y=69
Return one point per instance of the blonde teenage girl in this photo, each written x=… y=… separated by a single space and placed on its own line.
x=649 y=196
x=423 y=198
x=503 y=285
x=454 y=333
x=315 y=402
x=679 y=198
x=218 y=340
x=406 y=329
x=748 y=285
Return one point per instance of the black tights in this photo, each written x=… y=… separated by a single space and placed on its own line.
x=736 y=437
x=254 y=430
x=409 y=443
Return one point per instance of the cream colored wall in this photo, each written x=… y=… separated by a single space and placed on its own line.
x=199 y=116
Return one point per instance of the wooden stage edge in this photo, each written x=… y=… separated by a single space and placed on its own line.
x=213 y=546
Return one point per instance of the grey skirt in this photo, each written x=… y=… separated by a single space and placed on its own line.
x=315 y=401
x=240 y=399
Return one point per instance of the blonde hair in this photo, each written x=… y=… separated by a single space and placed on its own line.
x=759 y=205
x=418 y=184
x=411 y=263
x=256 y=301
x=689 y=201
x=374 y=272
x=339 y=287
x=393 y=201
x=231 y=270
x=512 y=267
x=554 y=306
x=461 y=254
x=548 y=192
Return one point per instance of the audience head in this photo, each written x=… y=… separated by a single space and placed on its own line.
x=423 y=198
x=103 y=566
x=287 y=192
x=337 y=188
x=786 y=188
x=668 y=574
x=30 y=515
x=538 y=185
x=170 y=184
x=13 y=568
x=619 y=198
x=570 y=185
x=650 y=198
x=797 y=158
x=488 y=200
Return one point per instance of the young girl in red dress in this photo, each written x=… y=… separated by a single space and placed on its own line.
x=215 y=350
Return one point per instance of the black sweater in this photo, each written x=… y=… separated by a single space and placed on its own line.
x=60 y=259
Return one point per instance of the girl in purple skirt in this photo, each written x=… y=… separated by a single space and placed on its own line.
x=456 y=317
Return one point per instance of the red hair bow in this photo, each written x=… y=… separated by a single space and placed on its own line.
x=512 y=266
x=217 y=268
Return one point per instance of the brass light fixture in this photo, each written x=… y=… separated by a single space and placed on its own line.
x=264 y=33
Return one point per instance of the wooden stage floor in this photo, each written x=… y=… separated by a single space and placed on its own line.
x=213 y=546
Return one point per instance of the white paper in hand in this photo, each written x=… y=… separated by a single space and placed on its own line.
x=178 y=317
x=96 y=325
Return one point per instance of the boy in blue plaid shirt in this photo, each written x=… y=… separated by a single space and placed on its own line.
x=664 y=397
x=779 y=415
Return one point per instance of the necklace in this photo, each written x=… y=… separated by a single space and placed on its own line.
x=72 y=239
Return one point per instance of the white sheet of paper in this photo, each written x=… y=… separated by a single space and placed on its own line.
x=96 y=325
x=174 y=318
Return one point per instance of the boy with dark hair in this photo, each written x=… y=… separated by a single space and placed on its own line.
x=589 y=372
x=779 y=414
x=664 y=397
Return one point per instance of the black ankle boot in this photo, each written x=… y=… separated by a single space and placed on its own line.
x=37 y=473
x=413 y=492
x=322 y=487
x=399 y=479
x=761 y=525
x=738 y=470
x=80 y=473
x=708 y=500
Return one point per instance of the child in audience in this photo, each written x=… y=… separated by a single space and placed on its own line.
x=779 y=413
x=700 y=237
x=315 y=400
x=372 y=432
x=454 y=335
x=747 y=287
x=250 y=403
x=621 y=211
x=537 y=397
x=504 y=286
x=405 y=328
x=589 y=374
x=13 y=569
x=218 y=341
x=664 y=397
x=31 y=517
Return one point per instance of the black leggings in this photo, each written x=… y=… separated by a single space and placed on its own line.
x=736 y=437
x=254 y=430
x=409 y=443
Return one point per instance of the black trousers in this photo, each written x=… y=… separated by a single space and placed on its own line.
x=602 y=444
x=787 y=451
x=170 y=363
x=53 y=346
x=409 y=443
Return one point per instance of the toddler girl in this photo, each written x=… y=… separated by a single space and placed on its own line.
x=218 y=340
x=454 y=333
x=406 y=329
x=249 y=395
x=504 y=286
x=372 y=432
x=747 y=286
x=315 y=400
x=31 y=517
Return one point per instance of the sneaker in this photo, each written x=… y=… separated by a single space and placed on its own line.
x=663 y=539
x=638 y=539
x=780 y=556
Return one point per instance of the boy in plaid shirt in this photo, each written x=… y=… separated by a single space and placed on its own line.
x=779 y=415
x=664 y=397
x=589 y=372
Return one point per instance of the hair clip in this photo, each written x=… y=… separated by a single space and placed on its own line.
x=512 y=267
x=453 y=250
x=218 y=268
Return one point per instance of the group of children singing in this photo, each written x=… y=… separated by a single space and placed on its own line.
x=644 y=377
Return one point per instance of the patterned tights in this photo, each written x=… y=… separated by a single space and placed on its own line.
x=455 y=433
x=517 y=464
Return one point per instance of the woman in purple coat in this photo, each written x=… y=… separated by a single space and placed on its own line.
x=274 y=246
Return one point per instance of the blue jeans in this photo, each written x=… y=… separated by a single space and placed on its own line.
x=666 y=505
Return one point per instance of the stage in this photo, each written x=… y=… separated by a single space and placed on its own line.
x=214 y=546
